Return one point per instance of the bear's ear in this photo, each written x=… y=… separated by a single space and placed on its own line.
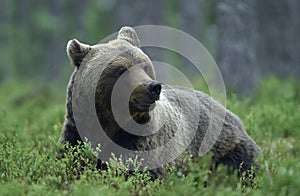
x=128 y=34
x=77 y=51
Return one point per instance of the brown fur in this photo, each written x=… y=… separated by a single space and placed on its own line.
x=233 y=148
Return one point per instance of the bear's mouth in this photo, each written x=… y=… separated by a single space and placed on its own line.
x=143 y=106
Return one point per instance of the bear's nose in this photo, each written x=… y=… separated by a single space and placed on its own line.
x=154 y=89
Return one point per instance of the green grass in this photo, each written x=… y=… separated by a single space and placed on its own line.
x=31 y=119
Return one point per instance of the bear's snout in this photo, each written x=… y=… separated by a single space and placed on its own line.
x=144 y=96
x=154 y=88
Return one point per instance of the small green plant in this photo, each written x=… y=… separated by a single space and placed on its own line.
x=31 y=162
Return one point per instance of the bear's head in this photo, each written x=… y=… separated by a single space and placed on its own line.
x=122 y=62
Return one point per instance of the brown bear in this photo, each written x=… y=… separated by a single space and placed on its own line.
x=178 y=115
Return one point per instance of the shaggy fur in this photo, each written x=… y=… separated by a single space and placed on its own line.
x=233 y=147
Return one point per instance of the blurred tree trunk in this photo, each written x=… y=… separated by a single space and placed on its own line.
x=236 y=51
x=142 y=12
x=18 y=34
x=5 y=22
x=57 y=43
x=192 y=17
x=257 y=38
x=278 y=46
x=54 y=44
x=78 y=14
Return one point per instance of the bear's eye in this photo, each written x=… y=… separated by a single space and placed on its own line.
x=120 y=71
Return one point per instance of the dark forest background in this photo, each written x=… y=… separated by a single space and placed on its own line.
x=249 y=39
